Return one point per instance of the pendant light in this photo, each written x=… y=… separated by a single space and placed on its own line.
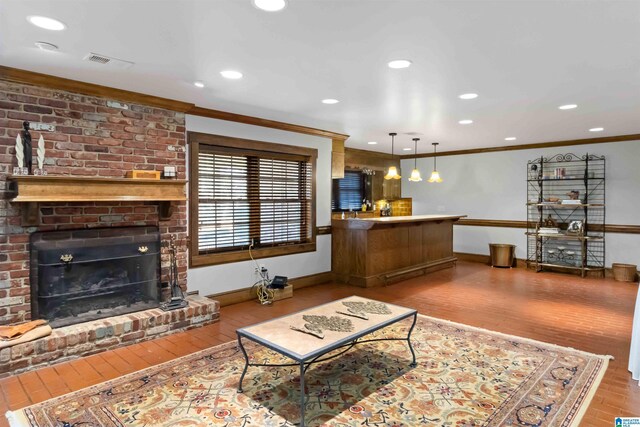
x=435 y=176
x=392 y=173
x=415 y=173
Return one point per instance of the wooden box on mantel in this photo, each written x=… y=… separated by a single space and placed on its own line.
x=142 y=174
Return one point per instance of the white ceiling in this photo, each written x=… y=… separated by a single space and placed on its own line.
x=524 y=59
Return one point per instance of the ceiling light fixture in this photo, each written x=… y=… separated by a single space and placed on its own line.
x=392 y=173
x=231 y=74
x=270 y=5
x=406 y=149
x=372 y=142
x=399 y=63
x=510 y=138
x=596 y=129
x=330 y=101
x=468 y=96
x=198 y=84
x=568 y=107
x=46 y=23
x=435 y=175
x=465 y=122
x=49 y=47
x=415 y=173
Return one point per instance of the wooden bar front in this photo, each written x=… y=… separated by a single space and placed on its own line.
x=377 y=251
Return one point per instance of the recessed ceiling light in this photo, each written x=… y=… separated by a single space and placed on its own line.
x=510 y=138
x=568 y=107
x=372 y=142
x=50 y=47
x=399 y=63
x=330 y=101
x=468 y=96
x=270 y=5
x=231 y=74
x=465 y=122
x=596 y=129
x=198 y=84
x=46 y=23
x=407 y=149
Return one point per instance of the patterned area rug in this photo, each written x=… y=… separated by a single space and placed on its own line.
x=465 y=377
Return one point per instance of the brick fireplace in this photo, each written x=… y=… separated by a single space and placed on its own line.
x=85 y=136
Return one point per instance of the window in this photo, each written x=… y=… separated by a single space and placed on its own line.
x=348 y=192
x=246 y=191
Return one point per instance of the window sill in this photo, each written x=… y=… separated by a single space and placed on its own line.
x=236 y=256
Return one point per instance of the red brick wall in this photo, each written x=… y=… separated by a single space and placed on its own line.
x=92 y=137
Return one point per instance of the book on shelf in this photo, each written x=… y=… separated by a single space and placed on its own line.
x=548 y=230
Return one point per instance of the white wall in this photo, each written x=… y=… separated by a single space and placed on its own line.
x=238 y=275
x=493 y=186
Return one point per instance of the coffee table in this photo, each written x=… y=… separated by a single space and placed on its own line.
x=305 y=348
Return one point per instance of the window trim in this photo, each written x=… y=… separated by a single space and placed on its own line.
x=195 y=139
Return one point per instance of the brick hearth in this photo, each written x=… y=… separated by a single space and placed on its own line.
x=88 y=338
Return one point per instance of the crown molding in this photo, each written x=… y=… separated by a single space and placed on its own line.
x=60 y=83
x=534 y=146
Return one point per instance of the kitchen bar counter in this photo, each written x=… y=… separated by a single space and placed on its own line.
x=376 y=251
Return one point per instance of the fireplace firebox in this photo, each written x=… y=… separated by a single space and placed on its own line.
x=83 y=275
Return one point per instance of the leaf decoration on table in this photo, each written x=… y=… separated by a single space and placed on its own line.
x=358 y=315
x=307 y=331
x=316 y=325
x=371 y=307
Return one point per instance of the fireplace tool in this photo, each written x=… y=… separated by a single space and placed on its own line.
x=177 y=296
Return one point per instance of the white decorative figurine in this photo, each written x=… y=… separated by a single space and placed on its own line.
x=40 y=152
x=19 y=155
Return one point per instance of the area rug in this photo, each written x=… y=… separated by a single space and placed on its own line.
x=465 y=377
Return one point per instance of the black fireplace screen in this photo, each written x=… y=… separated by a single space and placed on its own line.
x=83 y=275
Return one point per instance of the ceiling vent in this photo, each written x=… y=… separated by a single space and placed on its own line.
x=106 y=60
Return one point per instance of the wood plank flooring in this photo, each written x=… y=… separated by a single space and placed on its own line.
x=587 y=314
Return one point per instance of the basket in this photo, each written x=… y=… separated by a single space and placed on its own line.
x=624 y=272
x=502 y=255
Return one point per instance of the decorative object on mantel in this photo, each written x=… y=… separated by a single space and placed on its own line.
x=435 y=175
x=169 y=172
x=143 y=174
x=40 y=158
x=415 y=173
x=28 y=152
x=392 y=173
x=177 y=296
x=19 y=170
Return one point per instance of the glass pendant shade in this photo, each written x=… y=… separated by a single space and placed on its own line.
x=415 y=173
x=435 y=175
x=392 y=173
x=415 y=176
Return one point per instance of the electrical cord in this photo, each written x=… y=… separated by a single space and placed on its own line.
x=263 y=291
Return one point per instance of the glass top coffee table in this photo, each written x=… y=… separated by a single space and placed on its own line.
x=308 y=335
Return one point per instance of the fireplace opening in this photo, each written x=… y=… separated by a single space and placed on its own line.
x=83 y=275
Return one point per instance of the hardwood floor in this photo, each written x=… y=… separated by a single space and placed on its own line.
x=587 y=314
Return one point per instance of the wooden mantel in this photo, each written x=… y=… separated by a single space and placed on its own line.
x=32 y=190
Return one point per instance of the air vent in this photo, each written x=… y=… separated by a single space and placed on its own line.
x=105 y=60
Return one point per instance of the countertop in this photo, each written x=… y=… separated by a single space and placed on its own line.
x=369 y=222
